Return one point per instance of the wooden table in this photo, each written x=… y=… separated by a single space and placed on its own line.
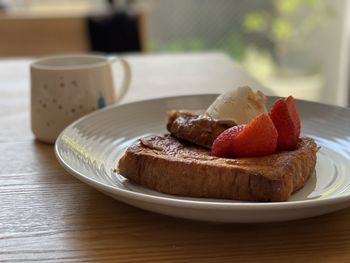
x=47 y=215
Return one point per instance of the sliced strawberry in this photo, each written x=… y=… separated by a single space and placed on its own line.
x=257 y=138
x=287 y=122
x=294 y=114
x=222 y=144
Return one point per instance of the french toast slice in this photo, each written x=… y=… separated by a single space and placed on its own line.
x=195 y=127
x=170 y=166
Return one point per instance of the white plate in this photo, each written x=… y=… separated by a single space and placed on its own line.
x=90 y=148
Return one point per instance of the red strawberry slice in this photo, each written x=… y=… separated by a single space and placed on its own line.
x=287 y=122
x=295 y=116
x=222 y=145
x=257 y=138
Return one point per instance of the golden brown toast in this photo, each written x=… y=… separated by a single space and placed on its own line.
x=167 y=165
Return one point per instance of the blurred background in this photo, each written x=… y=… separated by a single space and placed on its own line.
x=298 y=47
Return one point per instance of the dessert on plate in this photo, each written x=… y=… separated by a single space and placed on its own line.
x=235 y=149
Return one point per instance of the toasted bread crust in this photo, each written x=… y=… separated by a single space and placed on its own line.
x=169 y=166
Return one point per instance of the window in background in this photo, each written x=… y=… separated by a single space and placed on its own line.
x=297 y=47
x=294 y=47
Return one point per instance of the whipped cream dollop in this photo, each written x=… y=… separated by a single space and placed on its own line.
x=239 y=105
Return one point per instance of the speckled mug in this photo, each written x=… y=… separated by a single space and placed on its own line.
x=64 y=88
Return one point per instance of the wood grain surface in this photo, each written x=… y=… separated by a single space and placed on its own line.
x=47 y=215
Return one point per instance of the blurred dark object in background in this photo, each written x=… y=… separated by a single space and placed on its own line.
x=116 y=32
x=59 y=27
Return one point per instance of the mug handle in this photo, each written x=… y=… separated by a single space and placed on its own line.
x=126 y=79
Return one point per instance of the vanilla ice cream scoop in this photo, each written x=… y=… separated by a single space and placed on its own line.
x=238 y=105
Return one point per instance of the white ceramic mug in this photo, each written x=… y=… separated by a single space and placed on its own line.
x=66 y=87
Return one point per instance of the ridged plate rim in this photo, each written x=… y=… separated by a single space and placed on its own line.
x=178 y=202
